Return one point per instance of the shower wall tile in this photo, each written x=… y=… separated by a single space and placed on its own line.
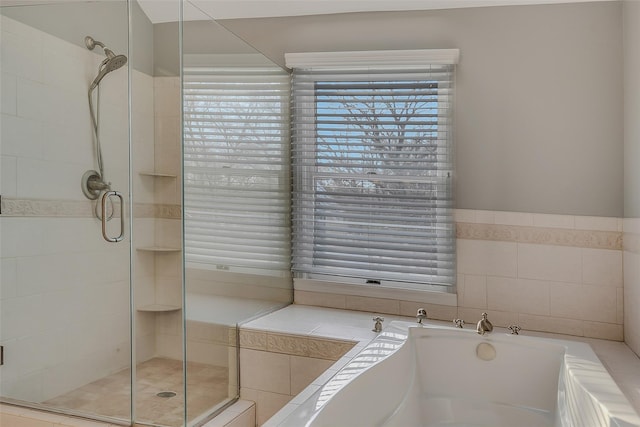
x=65 y=291
x=8 y=277
x=76 y=140
x=32 y=99
x=22 y=55
x=8 y=176
x=21 y=137
x=63 y=180
x=9 y=88
x=66 y=66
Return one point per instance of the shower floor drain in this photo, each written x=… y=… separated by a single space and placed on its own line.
x=166 y=394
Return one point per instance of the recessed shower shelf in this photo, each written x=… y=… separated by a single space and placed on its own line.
x=159 y=307
x=158 y=174
x=158 y=249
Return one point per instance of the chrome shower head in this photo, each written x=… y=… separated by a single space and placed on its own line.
x=107 y=66
x=111 y=63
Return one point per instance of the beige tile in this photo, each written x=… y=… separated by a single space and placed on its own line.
x=304 y=370
x=245 y=419
x=478 y=257
x=605 y=331
x=267 y=404
x=553 y=263
x=599 y=304
x=464 y=215
x=554 y=221
x=9 y=420
x=502 y=294
x=513 y=218
x=533 y=297
x=533 y=322
x=475 y=291
x=471 y=316
x=434 y=311
x=261 y=370
x=564 y=300
x=602 y=267
x=319 y=299
x=372 y=305
x=485 y=217
x=620 y=309
x=596 y=223
x=459 y=290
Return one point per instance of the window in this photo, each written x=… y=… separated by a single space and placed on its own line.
x=372 y=170
x=236 y=168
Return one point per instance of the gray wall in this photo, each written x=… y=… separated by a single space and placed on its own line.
x=632 y=109
x=539 y=107
x=103 y=20
x=199 y=37
x=632 y=174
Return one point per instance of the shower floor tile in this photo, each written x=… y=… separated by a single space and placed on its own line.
x=207 y=385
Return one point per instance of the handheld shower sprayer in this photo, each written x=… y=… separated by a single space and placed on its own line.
x=93 y=182
x=111 y=63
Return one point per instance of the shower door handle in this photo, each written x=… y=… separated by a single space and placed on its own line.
x=105 y=197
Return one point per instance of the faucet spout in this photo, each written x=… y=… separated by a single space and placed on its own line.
x=484 y=325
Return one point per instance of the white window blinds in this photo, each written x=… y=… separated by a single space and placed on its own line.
x=236 y=169
x=372 y=174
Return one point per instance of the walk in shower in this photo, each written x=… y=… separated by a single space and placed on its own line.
x=100 y=316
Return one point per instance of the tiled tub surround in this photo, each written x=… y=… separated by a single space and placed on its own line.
x=315 y=322
x=300 y=324
x=432 y=375
x=550 y=273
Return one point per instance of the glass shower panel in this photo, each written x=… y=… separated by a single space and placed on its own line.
x=236 y=189
x=156 y=104
x=65 y=290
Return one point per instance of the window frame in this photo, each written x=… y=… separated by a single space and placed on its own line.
x=308 y=132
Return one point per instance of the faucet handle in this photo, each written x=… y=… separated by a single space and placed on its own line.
x=421 y=315
x=515 y=329
x=459 y=323
x=378 y=325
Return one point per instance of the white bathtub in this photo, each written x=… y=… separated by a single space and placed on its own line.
x=437 y=376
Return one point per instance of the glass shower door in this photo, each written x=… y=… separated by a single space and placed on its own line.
x=65 y=322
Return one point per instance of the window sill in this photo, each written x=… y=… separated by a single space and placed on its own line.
x=426 y=296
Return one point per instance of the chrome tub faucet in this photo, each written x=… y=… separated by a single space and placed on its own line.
x=484 y=325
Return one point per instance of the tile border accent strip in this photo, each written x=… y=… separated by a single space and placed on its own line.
x=46 y=208
x=10 y=207
x=294 y=345
x=592 y=239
